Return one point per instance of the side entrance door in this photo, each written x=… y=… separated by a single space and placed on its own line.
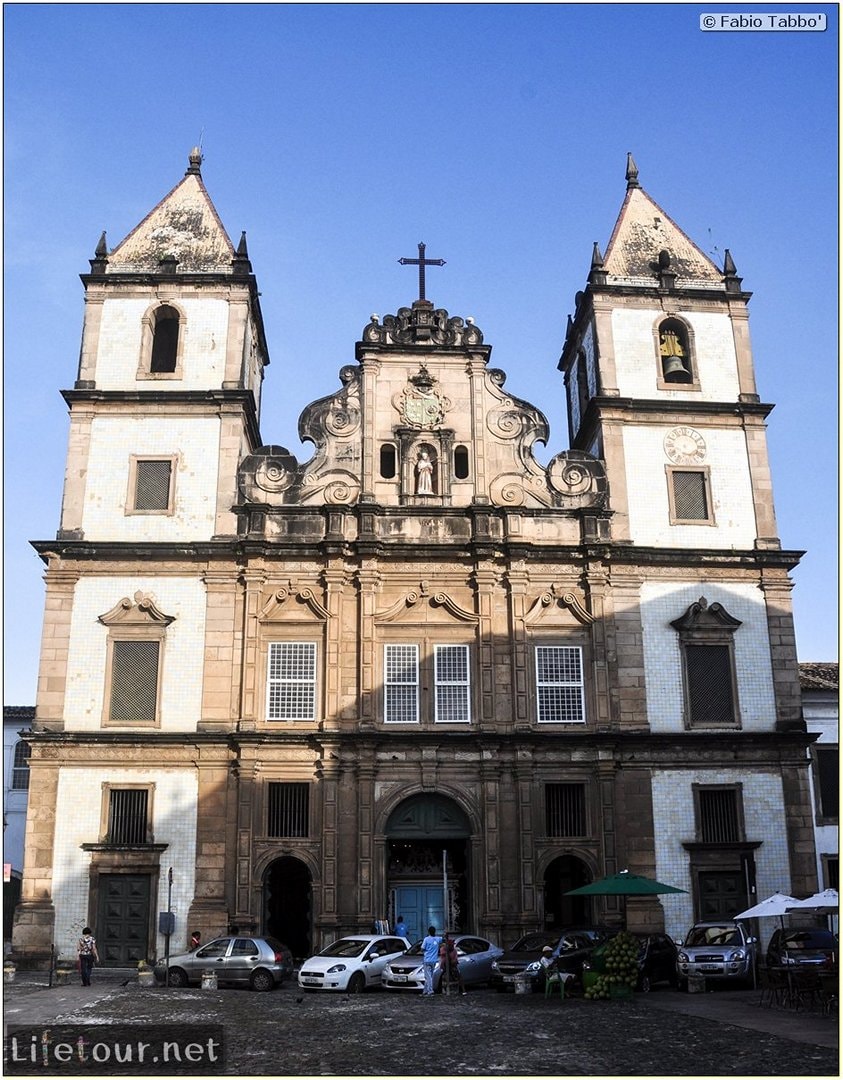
x=421 y=906
x=122 y=929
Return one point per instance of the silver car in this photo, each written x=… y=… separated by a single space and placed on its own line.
x=474 y=957
x=716 y=950
x=259 y=962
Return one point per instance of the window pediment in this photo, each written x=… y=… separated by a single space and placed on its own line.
x=704 y=620
x=292 y=604
x=142 y=611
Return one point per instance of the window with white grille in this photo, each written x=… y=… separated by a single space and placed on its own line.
x=288 y=806
x=128 y=816
x=560 y=691
x=451 y=679
x=690 y=501
x=401 y=684
x=20 y=766
x=152 y=486
x=291 y=681
x=134 y=681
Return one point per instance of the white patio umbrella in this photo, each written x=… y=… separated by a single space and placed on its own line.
x=776 y=905
x=823 y=903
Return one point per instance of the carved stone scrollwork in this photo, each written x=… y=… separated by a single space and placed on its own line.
x=578 y=480
x=422 y=323
x=266 y=474
x=558 y=596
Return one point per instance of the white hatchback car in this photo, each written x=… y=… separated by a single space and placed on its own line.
x=351 y=963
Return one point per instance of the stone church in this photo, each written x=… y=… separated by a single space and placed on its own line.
x=419 y=673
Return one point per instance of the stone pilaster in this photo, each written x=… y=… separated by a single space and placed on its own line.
x=55 y=647
x=34 y=927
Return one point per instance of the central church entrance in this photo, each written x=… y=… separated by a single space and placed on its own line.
x=287 y=904
x=427 y=865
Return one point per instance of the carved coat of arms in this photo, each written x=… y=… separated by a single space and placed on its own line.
x=421 y=403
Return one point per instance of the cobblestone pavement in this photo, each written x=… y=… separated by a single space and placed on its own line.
x=484 y=1033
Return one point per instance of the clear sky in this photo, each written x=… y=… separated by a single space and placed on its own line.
x=339 y=136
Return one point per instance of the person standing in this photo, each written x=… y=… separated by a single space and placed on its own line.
x=401 y=927
x=450 y=961
x=195 y=940
x=430 y=955
x=88 y=955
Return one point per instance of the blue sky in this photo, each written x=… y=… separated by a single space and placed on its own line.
x=339 y=136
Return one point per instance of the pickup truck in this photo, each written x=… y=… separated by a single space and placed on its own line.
x=716 y=950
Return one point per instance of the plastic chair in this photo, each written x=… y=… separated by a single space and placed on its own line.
x=558 y=978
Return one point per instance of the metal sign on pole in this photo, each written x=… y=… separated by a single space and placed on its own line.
x=169 y=927
x=446 y=967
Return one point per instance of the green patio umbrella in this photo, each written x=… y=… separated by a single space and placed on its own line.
x=624 y=884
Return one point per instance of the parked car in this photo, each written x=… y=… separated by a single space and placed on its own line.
x=811 y=947
x=570 y=947
x=259 y=962
x=716 y=950
x=474 y=958
x=351 y=963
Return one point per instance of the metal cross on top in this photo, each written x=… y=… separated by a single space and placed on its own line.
x=421 y=262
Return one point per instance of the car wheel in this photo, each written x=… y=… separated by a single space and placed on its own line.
x=644 y=984
x=178 y=978
x=262 y=980
x=357 y=983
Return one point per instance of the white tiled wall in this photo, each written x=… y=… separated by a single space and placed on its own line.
x=78 y=816
x=184 y=647
x=661 y=603
x=673 y=815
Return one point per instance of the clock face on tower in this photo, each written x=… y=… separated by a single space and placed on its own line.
x=685 y=446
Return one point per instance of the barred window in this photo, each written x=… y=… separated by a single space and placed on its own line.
x=134 y=681
x=401 y=684
x=291 y=693
x=564 y=806
x=709 y=675
x=719 y=815
x=288 y=807
x=452 y=684
x=153 y=484
x=20 y=766
x=689 y=496
x=559 y=684
x=128 y=810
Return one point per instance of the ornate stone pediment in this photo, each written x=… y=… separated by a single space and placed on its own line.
x=422 y=324
x=421 y=597
x=703 y=619
x=558 y=597
x=279 y=604
x=141 y=611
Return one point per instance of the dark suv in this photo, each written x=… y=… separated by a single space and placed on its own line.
x=811 y=947
x=570 y=949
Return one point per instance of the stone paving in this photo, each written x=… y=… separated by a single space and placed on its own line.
x=485 y=1033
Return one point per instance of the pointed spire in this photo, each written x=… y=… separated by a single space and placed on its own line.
x=100 y=259
x=241 y=262
x=597 y=274
x=730 y=273
x=631 y=173
x=195 y=160
x=596 y=257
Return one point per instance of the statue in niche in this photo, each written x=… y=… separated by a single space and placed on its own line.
x=424 y=474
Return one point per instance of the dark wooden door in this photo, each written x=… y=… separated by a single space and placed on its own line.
x=722 y=895
x=122 y=929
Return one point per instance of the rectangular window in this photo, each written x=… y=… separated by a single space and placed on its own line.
x=291 y=683
x=288 y=807
x=20 y=767
x=127 y=815
x=401 y=684
x=690 y=497
x=152 y=485
x=559 y=684
x=708 y=669
x=564 y=806
x=827 y=780
x=719 y=815
x=452 y=687
x=134 y=681
x=831 y=874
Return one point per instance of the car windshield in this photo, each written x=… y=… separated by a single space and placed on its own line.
x=809 y=939
x=714 y=935
x=346 y=947
x=534 y=942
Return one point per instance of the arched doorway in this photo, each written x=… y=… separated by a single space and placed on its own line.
x=287 y=904
x=566 y=872
x=427 y=854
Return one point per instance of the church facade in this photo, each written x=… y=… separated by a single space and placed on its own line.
x=419 y=674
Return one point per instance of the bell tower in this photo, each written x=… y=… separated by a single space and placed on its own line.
x=167 y=399
x=660 y=384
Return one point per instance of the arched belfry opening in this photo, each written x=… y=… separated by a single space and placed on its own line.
x=427 y=864
x=565 y=873
x=287 y=900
